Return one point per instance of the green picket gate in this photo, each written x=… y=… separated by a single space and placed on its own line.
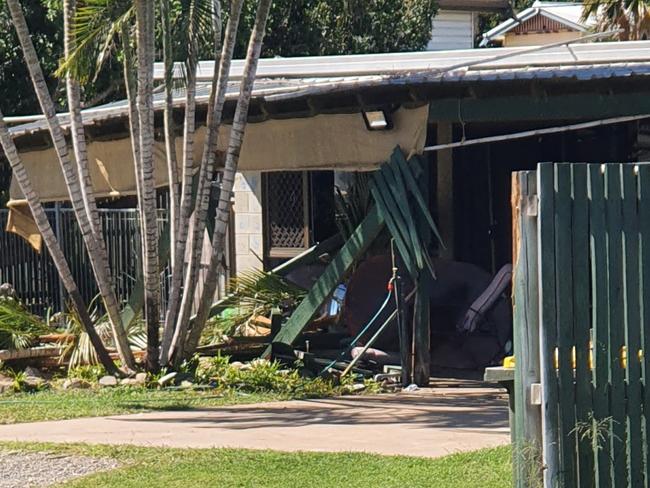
x=582 y=322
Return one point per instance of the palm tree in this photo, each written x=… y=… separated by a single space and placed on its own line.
x=626 y=15
x=216 y=103
x=188 y=344
x=52 y=245
x=96 y=249
x=145 y=167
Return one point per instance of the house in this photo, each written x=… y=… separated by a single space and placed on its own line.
x=543 y=23
x=455 y=26
x=473 y=116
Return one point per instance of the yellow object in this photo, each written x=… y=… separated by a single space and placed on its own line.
x=509 y=362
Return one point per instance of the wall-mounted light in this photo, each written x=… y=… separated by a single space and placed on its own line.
x=377 y=120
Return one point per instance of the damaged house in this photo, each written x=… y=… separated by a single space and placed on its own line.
x=323 y=129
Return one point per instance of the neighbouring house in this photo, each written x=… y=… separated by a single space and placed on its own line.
x=455 y=26
x=314 y=120
x=543 y=23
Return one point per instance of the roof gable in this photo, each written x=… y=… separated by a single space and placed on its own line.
x=554 y=15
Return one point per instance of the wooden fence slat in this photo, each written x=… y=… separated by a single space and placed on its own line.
x=564 y=310
x=632 y=324
x=547 y=319
x=581 y=323
x=616 y=322
x=600 y=317
x=527 y=425
x=644 y=267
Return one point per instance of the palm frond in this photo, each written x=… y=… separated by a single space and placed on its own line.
x=18 y=327
x=96 y=27
x=252 y=294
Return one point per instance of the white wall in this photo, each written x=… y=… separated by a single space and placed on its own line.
x=453 y=29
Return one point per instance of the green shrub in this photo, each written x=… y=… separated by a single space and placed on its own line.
x=89 y=372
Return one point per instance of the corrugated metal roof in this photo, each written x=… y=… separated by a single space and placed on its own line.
x=392 y=63
x=280 y=81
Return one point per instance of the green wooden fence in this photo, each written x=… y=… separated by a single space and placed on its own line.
x=592 y=280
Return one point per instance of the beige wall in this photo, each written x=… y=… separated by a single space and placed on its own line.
x=513 y=40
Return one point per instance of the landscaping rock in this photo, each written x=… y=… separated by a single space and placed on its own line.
x=6 y=384
x=128 y=382
x=167 y=379
x=75 y=384
x=237 y=365
x=32 y=372
x=186 y=384
x=140 y=379
x=108 y=381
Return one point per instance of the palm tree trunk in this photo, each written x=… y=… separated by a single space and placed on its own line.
x=96 y=252
x=53 y=247
x=170 y=137
x=149 y=219
x=77 y=126
x=187 y=345
x=189 y=127
x=218 y=91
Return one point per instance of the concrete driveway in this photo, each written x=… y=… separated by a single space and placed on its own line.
x=427 y=423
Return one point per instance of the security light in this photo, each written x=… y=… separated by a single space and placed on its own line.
x=377 y=120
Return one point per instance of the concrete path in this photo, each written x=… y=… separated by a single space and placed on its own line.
x=428 y=423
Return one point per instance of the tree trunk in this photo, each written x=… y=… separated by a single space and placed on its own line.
x=96 y=252
x=187 y=200
x=170 y=136
x=206 y=175
x=77 y=127
x=187 y=346
x=149 y=213
x=53 y=247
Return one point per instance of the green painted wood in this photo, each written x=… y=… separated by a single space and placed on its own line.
x=613 y=213
x=644 y=266
x=526 y=425
x=599 y=317
x=547 y=283
x=564 y=308
x=412 y=184
x=396 y=230
x=351 y=251
x=631 y=300
x=422 y=328
x=393 y=180
x=581 y=318
x=577 y=106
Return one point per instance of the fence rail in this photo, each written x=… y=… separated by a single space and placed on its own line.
x=35 y=277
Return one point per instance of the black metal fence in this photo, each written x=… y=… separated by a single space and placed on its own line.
x=35 y=278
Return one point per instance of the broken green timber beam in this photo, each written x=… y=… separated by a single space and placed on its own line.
x=397 y=232
x=393 y=180
x=351 y=251
x=413 y=188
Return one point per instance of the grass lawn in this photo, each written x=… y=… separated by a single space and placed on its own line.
x=488 y=468
x=67 y=404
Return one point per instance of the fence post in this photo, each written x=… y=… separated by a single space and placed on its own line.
x=59 y=236
x=528 y=424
